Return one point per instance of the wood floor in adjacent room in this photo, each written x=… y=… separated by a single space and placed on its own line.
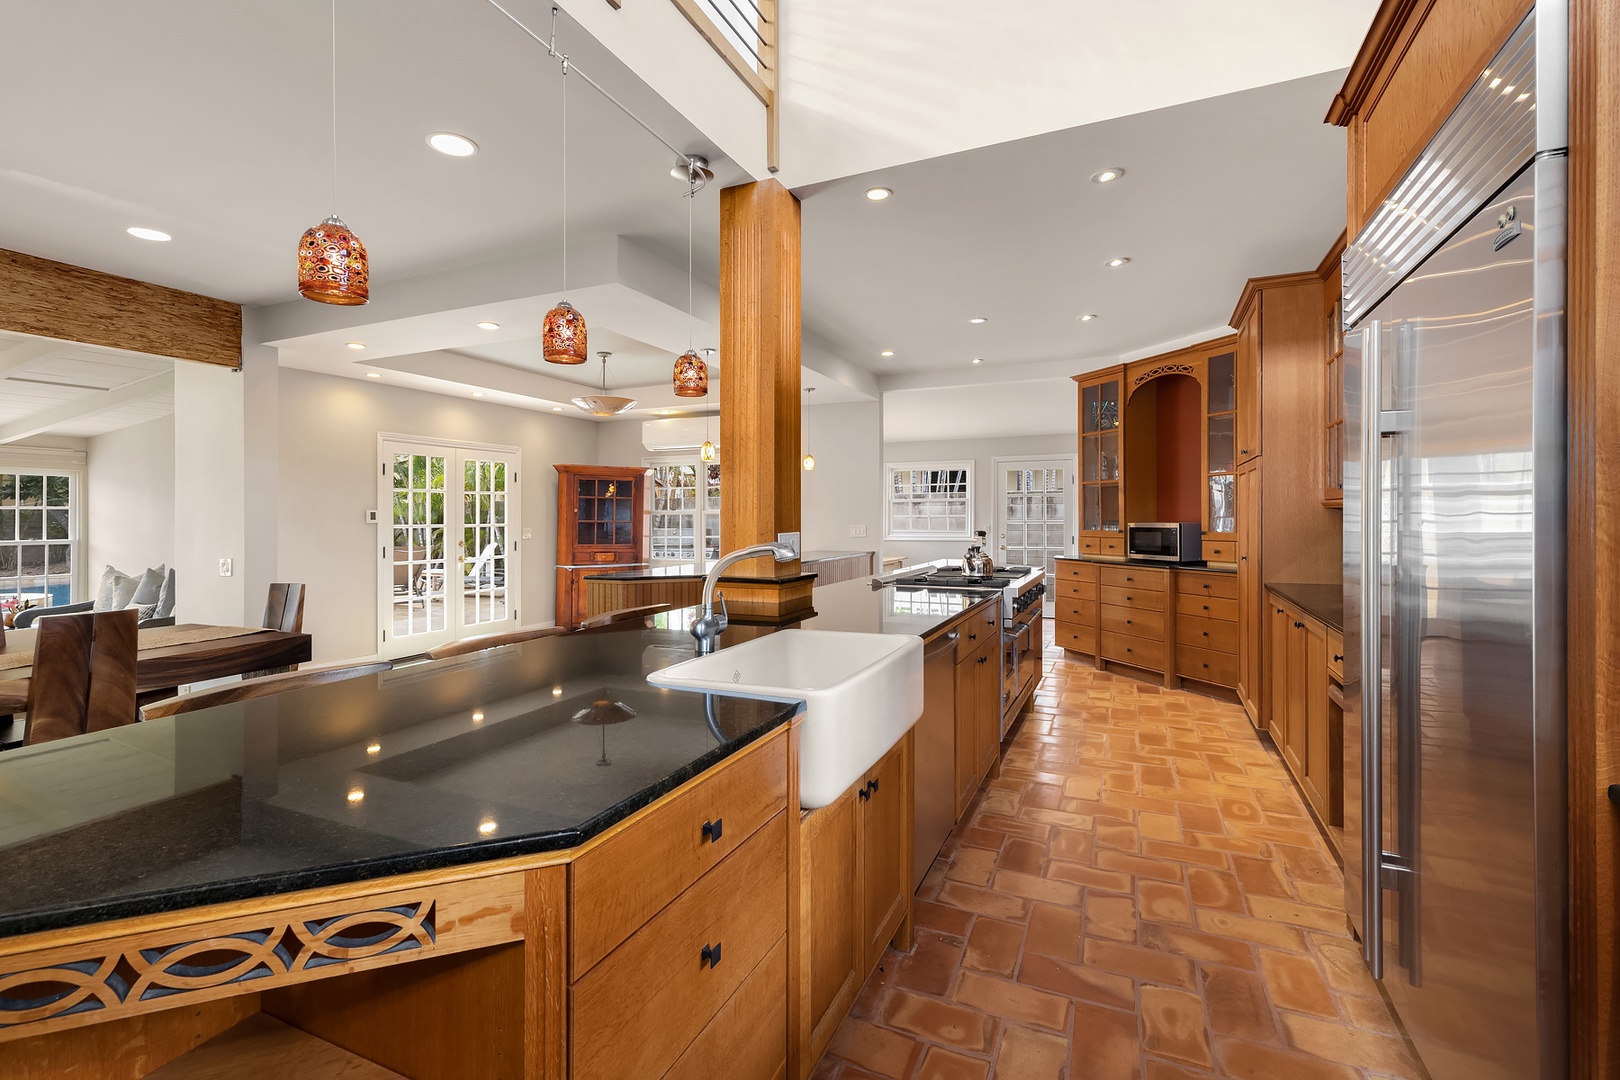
x=1140 y=894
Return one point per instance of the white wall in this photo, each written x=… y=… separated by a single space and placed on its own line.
x=618 y=442
x=327 y=479
x=846 y=487
x=210 y=482
x=129 y=498
x=982 y=452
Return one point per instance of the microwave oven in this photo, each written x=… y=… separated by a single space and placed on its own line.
x=1165 y=541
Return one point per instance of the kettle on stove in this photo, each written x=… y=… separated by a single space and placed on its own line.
x=977 y=561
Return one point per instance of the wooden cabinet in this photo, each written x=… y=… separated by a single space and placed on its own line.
x=1304 y=722
x=1071 y=601
x=1136 y=608
x=978 y=717
x=1251 y=610
x=1248 y=384
x=855 y=894
x=1102 y=434
x=600 y=517
x=1220 y=444
x=1206 y=627
x=1333 y=385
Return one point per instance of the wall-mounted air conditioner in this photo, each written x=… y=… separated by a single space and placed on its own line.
x=679 y=433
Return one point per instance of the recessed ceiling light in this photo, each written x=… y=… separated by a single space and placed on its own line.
x=1087 y=318
x=148 y=234
x=556 y=408
x=1118 y=260
x=448 y=142
x=374 y=748
x=978 y=359
x=357 y=795
x=477 y=393
x=1107 y=176
x=479 y=715
x=373 y=374
x=977 y=319
x=886 y=352
x=356 y=345
x=489 y=326
x=878 y=194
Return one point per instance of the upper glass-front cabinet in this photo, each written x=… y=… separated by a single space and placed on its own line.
x=1101 y=429
x=1221 y=449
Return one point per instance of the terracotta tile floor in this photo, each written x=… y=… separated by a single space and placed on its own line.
x=1140 y=894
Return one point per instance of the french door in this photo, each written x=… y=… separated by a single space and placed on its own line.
x=1035 y=511
x=448 y=567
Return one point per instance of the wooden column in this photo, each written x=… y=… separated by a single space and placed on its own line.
x=759 y=398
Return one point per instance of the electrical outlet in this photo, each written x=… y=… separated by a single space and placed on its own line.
x=857 y=530
x=224 y=568
x=528 y=534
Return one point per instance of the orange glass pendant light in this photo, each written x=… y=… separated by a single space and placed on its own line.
x=691 y=375
x=332 y=263
x=563 y=338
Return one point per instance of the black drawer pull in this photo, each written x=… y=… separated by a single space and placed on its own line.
x=712 y=829
x=864 y=793
x=973 y=637
x=1127 y=622
x=1298 y=625
x=873 y=784
x=1206 y=665
x=1338 y=658
x=1129 y=649
x=1129 y=578
x=982 y=659
x=1206 y=607
x=711 y=955
x=1206 y=584
x=1130 y=598
x=1206 y=633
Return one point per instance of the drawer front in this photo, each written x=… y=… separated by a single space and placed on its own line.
x=1192 y=583
x=1132 y=621
x=1075 y=638
x=1207 y=607
x=1090 y=545
x=1219 y=668
x=1220 y=551
x=979 y=627
x=637 y=1011
x=1133 y=598
x=1079 y=612
x=618 y=885
x=1135 y=651
x=1111 y=545
x=1071 y=589
x=1335 y=660
x=1202 y=633
x=1074 y=570
x=747 y=1039
x=1134 y=578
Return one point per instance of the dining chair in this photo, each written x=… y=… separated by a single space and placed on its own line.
x=490 y=641
x=284 y=611
x=621 y=616
x=263 y=686
x=84 y=675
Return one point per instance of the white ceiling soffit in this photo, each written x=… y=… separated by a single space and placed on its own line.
x=867 y=86
x=66 y=388
x=996 y=410
x=1215 y=191
x=211 y=122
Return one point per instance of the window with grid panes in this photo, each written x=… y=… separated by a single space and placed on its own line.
x=930 y=501
x=38 y=536
x=685 y=521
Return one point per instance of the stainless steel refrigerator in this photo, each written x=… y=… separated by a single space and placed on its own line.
x=1454 y=536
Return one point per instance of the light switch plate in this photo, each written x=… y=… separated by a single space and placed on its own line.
x=528 y=534
x=857 y=530
x=371 y=517
x=224 y=568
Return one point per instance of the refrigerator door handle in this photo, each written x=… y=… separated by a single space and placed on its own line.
x=1372 y=667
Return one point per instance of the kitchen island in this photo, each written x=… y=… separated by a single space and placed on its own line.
x=681 y=584
x=465 y=867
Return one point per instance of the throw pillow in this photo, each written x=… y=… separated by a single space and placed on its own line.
x=165 y=604
x=150 y=587
x=115 y=591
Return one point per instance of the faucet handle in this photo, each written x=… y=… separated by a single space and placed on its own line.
x=724 y=620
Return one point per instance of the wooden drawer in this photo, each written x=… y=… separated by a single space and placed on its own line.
x=1135 y=651
x=1134 y=578
x=1207 y=607
x=637 y=1011
x=1132 y=621
x=1215 y=635
x=979 y=627
x=1076 y=570
x=1075 y=638
x=1132 y=598
x=1192 y=583
x=1112 y=545
x=1072 y=589
x=1080 y=612
x=747 y=1039
x=618 y=885
x=1090 y=545
x=1220 y=668
x=1220 y=551
x=1335 y=660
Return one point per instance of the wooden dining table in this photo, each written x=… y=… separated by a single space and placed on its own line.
x=161 y=664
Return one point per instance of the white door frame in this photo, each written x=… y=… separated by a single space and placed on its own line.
x=456 y=451
x=1071 y=500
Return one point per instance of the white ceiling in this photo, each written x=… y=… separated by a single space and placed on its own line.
x=82 y=387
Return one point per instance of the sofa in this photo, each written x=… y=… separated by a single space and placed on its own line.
x=152 y=591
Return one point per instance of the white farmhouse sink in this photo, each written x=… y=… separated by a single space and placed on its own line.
x=862 y=692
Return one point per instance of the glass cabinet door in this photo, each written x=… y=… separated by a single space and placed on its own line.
x=1221 y=446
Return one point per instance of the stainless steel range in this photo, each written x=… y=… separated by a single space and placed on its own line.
x=1022 y=589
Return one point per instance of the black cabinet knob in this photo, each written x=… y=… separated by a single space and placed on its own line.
x=712 y=829
x=1206 y=633
x=873 y=784
x=1129 y=649
x=1206 y=584
x=1298 y=625
x=1127 y=622
x=982 y=659
x=1338 y=658
x=1129 y=578
x=1206 y=607
x=1130 y=598
x=711 y=955
x=973 y=637
x=1206 y=665
x=864 y=793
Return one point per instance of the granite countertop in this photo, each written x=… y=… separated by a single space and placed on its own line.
x=1324 y=602
x=855 y=606
x=1149 y=564
x=696 y=570
x=429 y=765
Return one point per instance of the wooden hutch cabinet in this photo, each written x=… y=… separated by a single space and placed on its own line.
x=601 y=518
x=1102 y=435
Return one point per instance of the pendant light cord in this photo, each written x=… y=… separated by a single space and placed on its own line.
x=565 y=186
x=334 y=112
x=691 y=197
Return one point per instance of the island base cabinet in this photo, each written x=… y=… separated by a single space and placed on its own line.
x=978 y=719
x=854 y=897
x=1305 y=723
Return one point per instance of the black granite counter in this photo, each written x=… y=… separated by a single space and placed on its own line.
x=1151 y=564
x=1322 y=602
x=856 y=607
x=429 y=765
x=696 y=570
